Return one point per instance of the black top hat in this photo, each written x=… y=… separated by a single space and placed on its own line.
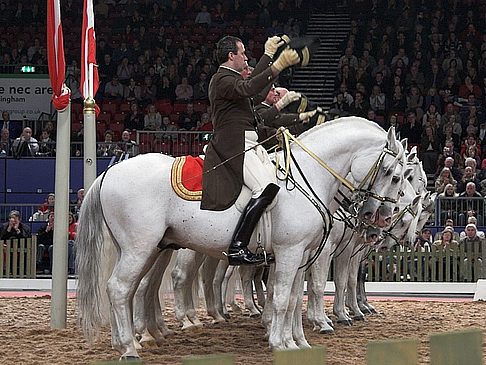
x=305 y=47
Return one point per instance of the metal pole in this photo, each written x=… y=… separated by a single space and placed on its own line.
x=61 y=208
x=89 y=142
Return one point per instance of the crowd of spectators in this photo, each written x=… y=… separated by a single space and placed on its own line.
x=421 y=67
x=154 y=56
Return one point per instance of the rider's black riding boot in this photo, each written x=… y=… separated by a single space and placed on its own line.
x=238 y=252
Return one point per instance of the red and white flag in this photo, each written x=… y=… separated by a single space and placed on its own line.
x=55 y=55
x=89 y=68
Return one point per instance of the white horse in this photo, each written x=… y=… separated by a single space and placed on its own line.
x=135 y=201
x=351 y=247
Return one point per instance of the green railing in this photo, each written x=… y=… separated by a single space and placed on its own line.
x=401 y=264
x=18 y=258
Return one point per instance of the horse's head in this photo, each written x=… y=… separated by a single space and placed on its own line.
x=380 y=174
x=405 y=219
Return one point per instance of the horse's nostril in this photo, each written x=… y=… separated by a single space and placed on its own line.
x=374 y=237
x=368 y=215
x=388 y=221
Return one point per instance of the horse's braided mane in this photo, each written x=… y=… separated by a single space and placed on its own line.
x=338 y=121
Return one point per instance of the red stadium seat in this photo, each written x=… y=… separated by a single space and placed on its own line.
x=162 y=146
x=109 y=106
x=180 y=148
x=164 y=106
x=200 y=107
x=119 y=117
x=125 y=107
x=104 y=117
x=117 y=129
x=179 y=107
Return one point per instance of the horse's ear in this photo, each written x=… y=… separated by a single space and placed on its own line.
x=407 y=173
x=391 y=140
x=416 y=200
x=404 y=143
x=412 y=156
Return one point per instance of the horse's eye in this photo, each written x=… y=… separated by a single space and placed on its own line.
x=395 y=179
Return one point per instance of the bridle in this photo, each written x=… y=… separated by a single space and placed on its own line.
x=360 y=193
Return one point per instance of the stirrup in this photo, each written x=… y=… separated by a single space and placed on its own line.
x=266 y=256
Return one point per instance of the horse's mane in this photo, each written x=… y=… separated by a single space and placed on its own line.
x=341 y=120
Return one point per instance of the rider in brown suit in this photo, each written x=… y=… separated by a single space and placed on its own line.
x=234 y=131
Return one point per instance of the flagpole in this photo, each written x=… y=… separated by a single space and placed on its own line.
x=61 y=208
x=89 y=142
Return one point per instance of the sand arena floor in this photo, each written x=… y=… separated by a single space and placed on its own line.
x=27 y=338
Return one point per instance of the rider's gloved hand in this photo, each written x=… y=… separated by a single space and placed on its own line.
x=272 y=44
x=287 y=58
x=305 y=116
x=288 y=98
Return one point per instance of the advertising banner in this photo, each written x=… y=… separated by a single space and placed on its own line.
x=25 y=96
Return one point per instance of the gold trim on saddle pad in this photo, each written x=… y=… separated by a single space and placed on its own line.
x=177 y=182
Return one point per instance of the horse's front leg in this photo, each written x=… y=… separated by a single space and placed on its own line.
x=352 y=288
x=361 y=292
x=297 y=326
x=341 y=264
x=317 y=279
x=287 y=261
x=268 y=309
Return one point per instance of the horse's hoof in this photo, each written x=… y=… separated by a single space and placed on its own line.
x=303 y=344
x=373 y=311
x=130 y=358
x=168 y=333
x=359 y=318
x=255 y=315
x=326 y=331
x=226 y=316
x=346 y=322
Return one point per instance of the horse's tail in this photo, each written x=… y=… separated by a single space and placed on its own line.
x=89 y=246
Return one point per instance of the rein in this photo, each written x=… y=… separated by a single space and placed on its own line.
x=285 y=136
x=396 y=219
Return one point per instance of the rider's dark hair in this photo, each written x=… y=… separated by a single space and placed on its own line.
x=226 y=45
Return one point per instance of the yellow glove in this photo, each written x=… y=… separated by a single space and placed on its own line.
x=305 y=117
x=287 y=58
x=272 y=44
x=288 y=98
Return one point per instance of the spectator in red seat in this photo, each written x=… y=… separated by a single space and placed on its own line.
x=166 y=89
x=108 y=147
x=133 y=92
x=114 y=89
x=188 y=119
x=128 y=146
x=152 y=120
x=205 y=123
x=201 y=87
x=14 y=228
x=468 y=87
x=184 y=91
x=148 y=91
x=135 y=120
x=124 y=70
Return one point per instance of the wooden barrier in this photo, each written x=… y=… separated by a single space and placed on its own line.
x=313 y=356
x=18 y=258
x=226 y=359
x=403 y=264
x=457 y=348
x=394 y=352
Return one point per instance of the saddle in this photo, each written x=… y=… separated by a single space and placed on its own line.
x=186 y=180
